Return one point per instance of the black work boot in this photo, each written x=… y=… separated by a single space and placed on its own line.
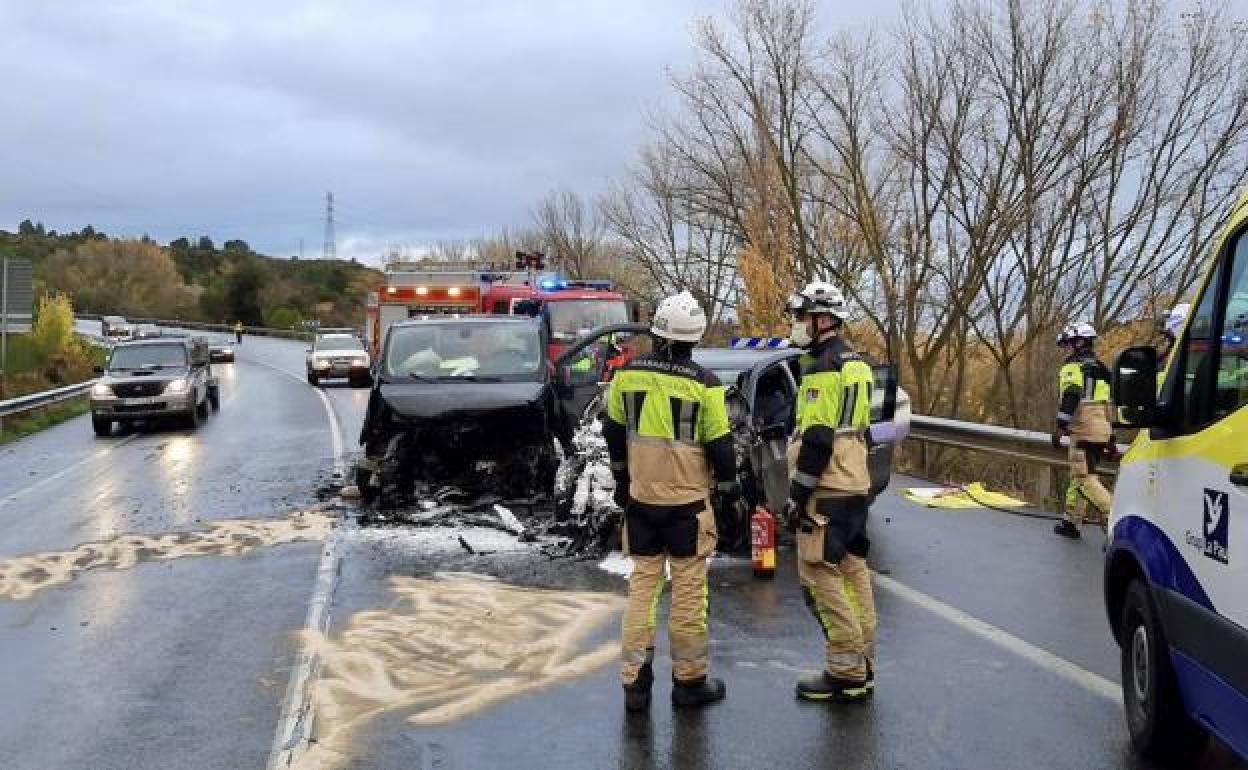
x=697 y=692
x=823 y=686
x=1066 y=529
x=637 y=694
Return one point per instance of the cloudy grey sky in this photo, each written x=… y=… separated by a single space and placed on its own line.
x=429 y=119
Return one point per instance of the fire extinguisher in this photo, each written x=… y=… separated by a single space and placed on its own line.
x=763 y=542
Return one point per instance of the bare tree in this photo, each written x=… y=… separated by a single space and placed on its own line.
x=572 y=231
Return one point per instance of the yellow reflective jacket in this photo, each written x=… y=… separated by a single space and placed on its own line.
x=666 y=428
x=1084 y=409
x=833 y=415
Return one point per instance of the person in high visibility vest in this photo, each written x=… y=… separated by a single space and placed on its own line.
x=828 y=488
x=667 y=433
x=1083 y=415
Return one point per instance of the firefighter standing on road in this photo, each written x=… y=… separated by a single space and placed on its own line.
x=828 y=490
x=666 y=431
x=1083 y=416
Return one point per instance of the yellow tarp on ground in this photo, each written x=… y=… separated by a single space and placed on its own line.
x=968 y=496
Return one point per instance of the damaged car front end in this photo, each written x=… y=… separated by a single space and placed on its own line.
x=461 y=410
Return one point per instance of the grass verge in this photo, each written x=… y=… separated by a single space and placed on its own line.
x=38 y=419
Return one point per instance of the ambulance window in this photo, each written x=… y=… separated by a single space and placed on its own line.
x=1231 y=384
x=1198 y=359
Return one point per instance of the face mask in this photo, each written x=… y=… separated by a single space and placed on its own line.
x=800 y=333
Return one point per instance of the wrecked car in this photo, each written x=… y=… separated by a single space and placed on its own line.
x=762 y=387
x=462 y=410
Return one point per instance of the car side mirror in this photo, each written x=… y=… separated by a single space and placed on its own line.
x=889 y=408
x=97 y=369
x=1135 y=386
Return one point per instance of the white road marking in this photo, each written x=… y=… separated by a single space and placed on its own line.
x=1093 y=683
x=295 y=724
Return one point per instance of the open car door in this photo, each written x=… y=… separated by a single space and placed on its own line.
x=583 y=371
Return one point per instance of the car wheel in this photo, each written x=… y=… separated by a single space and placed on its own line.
x=214 y=399
x=192 y=417
x=312 y=379
x=364 y=482
x=1159 y=726
x=102 y=427
x=203 y=407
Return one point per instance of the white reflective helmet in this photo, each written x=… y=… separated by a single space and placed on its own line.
x=680 y=318
x=819 y=297
x=1083 y=330
x=1172 y=322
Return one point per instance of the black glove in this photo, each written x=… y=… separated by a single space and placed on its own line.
x=1058 y=432
x=791 y=515
x=729 y=492
x=621 y=492
x=1111 y=451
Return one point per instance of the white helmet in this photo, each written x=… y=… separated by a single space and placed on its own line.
x=679 y=318
x=1083 y=330
x=819 y=297
x=1172 y=322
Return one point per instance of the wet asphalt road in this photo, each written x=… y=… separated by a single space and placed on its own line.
x=185 y=662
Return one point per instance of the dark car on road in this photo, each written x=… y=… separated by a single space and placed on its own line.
x=153 y=379
x=460 y=404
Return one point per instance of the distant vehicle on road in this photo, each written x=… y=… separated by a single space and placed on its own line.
x=221 y=350
x=154 y=379
x=147 y=332
x=338 y=354
x=115 y=328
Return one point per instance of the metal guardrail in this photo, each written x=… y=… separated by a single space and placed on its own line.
x=1010 y=444
x=43 y=398
x=258 y=331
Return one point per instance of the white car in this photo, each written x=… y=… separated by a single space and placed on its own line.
x=339 y=355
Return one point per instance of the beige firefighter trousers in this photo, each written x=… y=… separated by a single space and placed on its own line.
x=841 y=599
x=688 y=618
x=1085 y=487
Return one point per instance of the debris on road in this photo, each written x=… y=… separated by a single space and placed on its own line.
x=438 y=652
x=974 y=495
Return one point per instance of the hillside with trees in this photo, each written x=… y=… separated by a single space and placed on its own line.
x=190 y=279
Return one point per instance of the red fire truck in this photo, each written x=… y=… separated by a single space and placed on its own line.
x=430 y=287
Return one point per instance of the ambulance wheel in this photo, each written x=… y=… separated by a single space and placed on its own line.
x=1160 y=727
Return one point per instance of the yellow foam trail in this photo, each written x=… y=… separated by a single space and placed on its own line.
x=23 y=576
x=448 y=648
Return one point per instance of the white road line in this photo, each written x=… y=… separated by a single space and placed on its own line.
x=1093 y=683
x=295 y=724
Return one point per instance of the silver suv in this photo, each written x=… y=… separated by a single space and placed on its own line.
x=152 y=379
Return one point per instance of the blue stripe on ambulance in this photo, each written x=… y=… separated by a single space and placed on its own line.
x=1204 y=692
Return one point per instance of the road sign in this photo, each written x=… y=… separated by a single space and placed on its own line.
x=17 y=294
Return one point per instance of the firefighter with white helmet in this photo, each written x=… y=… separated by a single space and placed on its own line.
x=1083 y=415
x=829 y=484
x=667 y=432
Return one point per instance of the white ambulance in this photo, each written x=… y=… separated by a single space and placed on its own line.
x=1176 y=569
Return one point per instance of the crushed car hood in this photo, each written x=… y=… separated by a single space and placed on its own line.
x=421 y=401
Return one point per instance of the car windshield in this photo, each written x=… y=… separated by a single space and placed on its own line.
x=507 y=352
x=572 y=318
x=148 y=357
x=339 y=343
